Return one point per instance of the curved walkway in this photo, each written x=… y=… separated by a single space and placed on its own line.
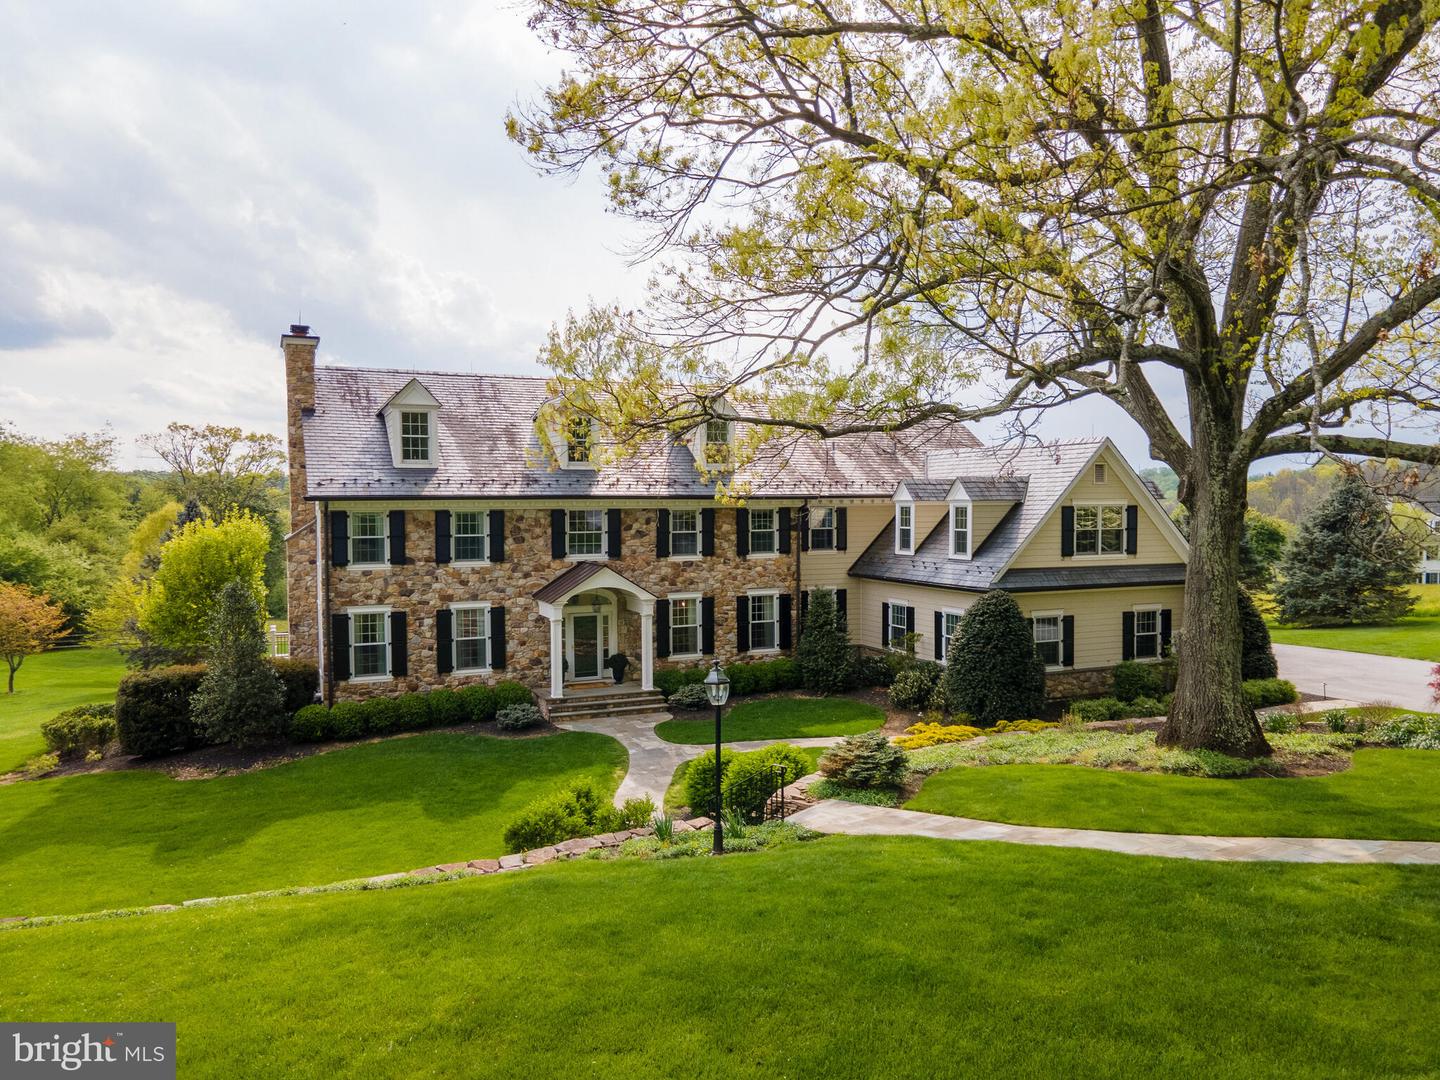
x=1368 y=677
x=835 y=816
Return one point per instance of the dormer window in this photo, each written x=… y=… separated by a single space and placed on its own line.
x=960 y=530
x=411 y=423
x=415 y=436
x=578 y=441
x=905 y=528
x=717 y=432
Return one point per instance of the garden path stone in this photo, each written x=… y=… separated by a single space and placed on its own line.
x=835 y=816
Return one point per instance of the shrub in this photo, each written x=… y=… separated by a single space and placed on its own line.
x=865 y=760
x=635 y=813
x=381 y=715
x=300 y=680
x=700 y=780
x=446 y=707
x=689 y=696
x=479 y=703
x=753 y=777
x=348 y=720
x=822 y=656
x=240 y=700
x=1028 y=726
x=152 y=710
x=1337 y=720
x=509 y=692
x=576 y=811
x=517 y=717
x=1094 y=710
x=672 y=679
x=1262 y=693
x=41 y=764
x=1133 y=680
x=914 y=687
x=412 y=712
x=1257 y=656
x=1280 y=723
x=870 y=670
x=311 y=724
x=1145 y=706
x=663 y=826
x=762 y=676
x=85 y=727
x=993 y=673
x=1411 y=731
x=920 y=735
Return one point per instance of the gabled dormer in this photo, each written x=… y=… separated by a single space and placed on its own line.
x=412 y=421
x=713 y=442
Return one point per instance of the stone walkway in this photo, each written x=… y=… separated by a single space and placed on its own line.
x=834 y=816
x=653 y=761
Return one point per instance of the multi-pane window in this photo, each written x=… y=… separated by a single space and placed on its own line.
x=471 y=630
x=467 y=535
x=414 y=436
x=717 y=433
x=1100 y=529
x=369 y=644
x=586 y=532
x=959 y=530
x=1048 y=639
x=822 y=528
x=764 y=621
x=1147 y=634
x=950 y=621
x=367 y=537
x=577 y=440
x=904 y=527
x=762 y=532
x=685 y=626
x=899 y=627
x=685 y=532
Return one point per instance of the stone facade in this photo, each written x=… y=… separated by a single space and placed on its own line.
x=301 y=545
x=1079 y=683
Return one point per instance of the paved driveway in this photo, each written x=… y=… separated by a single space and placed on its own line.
x=1359 y=676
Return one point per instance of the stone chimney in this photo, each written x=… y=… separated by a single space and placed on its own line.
x=301 y=567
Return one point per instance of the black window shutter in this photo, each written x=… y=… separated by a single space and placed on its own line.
x=397 y=537
x=742 y=532
x=497 y=535
x=612 y=521
x=840 y=603
x=662 y=628
x=939 y=635
x=1132 y=529
x=497 y=638
x=742 y=624
x=399 y=645
x=804 y=541
x=442 y=536
x=444 y=642
x=1165 y=631
x=787 y=606
x=1127 y=631
x=707 y=625
x=840 y=534
x=1067 y=531
x=884 y=626
x=557 y=534
x=1067 y=641
x=707 y=532
x=910 y=620
x=662 y=534
x=340 y=646
x=784 y=519
x=339 y=539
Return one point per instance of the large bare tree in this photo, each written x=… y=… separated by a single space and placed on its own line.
x=872 y=213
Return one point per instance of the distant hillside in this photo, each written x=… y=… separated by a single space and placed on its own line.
x=1164 y=478
x=1289 y=494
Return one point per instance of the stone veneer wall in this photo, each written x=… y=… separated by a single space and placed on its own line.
x=423 y=587
x=1087 y=682
x=300 y=549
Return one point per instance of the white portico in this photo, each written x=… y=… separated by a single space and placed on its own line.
x=583 y=606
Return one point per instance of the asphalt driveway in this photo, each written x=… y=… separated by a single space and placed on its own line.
x=1358 y=676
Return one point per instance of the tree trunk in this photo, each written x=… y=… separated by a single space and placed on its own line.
x=1210 y=711
x=13 y=667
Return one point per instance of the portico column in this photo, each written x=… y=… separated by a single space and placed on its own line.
x=647 y=647
x=557 y=657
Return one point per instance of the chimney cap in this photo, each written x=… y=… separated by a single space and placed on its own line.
x=299 y=330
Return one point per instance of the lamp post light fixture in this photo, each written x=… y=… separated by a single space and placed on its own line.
x=717 y=688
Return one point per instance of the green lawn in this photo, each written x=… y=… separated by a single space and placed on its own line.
x=675 y=793
x=106 y=840
x=45 y=685
x=1417 y=636
x=843 y=959
x=776 y=718
x=1385 y=795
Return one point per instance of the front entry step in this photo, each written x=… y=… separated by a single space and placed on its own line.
x=597 y=704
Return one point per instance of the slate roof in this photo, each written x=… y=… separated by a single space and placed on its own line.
x=488 y=449
x=1033 y=579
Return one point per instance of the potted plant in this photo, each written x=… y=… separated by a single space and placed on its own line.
x=618 y=662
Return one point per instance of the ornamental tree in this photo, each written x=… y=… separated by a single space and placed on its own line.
x=867 y=212
x=196 y=564
x=29 y=624
x=993 y=673
x=823 y=654
x=1257 y=654
x=240 y=699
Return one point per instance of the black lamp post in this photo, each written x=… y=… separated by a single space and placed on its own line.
x=717 y=687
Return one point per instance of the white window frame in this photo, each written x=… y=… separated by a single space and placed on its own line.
x=384 y=613
x=897 y=605
x=774 y=623
x=956 y=553
x=1146 y=609
x=818 y=511
x=773 y=532
x=566 y=436
x=455 y=666
x=570 y=533
x=1059 y=639
x=698 y=601
x=428 y=415
x=904 y=533
x=699 y=541
x=484 y=535
x=1100 y=507
x=946 y=629
x=350 y=538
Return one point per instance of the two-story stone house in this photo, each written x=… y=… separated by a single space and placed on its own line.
x=434 y=544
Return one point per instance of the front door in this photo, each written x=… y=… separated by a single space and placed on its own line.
x=585 y=646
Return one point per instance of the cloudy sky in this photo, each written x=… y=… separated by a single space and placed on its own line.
x=179 y=181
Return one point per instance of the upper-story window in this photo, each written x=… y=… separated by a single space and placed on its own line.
x=1101 y=472
x=684 y=532
x=578 y=439
x=822 y=528
x=414 y=436
x=763 y=532
x=410 y=424
x=368 y=538
x=959 y=531
x=717 y=432
x=585 y=532
x=467 y=535
x=905 y=528
x=1100 y=529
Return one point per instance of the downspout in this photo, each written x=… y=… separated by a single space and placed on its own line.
x=322 y=601
x=800 y=526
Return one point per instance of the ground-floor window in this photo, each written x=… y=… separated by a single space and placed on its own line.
x=949 y=621
x=764 y=621
x=471 y=631
x=685 y=626
x=369 y=644
x=1048 y=635
x=899 y=628
x=1147 y=634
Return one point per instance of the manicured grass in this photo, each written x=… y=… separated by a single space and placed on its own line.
x=1385 y=795
x=47 y=684
x=675 y=793
x=776 y=718
x=1417 y=636
x=84 y=843
x=845 y=958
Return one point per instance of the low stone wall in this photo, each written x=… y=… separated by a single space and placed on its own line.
x=566 y=849
x=1081 y=683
